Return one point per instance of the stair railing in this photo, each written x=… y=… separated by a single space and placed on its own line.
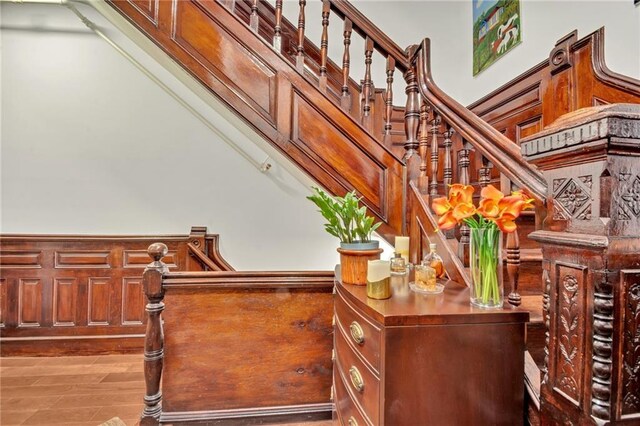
x=357 y=95
x=438 y=125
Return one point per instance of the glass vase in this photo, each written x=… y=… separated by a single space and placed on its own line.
x=485 y=264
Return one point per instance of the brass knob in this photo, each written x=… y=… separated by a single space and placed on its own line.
x=356 y=379
x=357 y=333
x=352 y=421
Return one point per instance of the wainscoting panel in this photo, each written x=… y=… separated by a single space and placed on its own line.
x=83 y=294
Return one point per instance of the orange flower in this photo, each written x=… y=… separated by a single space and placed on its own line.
x=506 y=223
x=458 y=206
x=503 y=210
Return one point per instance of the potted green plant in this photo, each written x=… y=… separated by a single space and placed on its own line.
x=348 y=221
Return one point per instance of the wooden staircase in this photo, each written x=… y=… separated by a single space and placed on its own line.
x=346 y=134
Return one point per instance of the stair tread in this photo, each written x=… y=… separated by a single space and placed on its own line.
x=533 y=304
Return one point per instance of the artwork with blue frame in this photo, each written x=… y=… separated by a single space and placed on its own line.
x=496 y=30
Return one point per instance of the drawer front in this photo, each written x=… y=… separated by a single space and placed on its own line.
x=348 y=412
x=360 y=332
x=361 y=383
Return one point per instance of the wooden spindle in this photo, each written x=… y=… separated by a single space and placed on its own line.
x=484 y=172
x=447 y=171
x=253 y=18
x=345 y=100
x=300 y=47
x=154 y=340
x=324 y=44
x=435 y=127
x=388 y=100
x=367 y=85
x=411 y=114
x=423 y=146
x=513 y=266
x=465 y=232
x=277 y=34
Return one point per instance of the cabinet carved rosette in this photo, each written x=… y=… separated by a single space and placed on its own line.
x=591 y=244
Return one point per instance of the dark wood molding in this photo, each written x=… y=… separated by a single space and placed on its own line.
x=250 y=416
x=219 y=325
x=82 y=294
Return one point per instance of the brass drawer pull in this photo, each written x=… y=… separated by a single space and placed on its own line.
x=352 y=421
x=356 y=379
x=357 y=333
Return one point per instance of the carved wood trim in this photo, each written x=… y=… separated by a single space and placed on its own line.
x=87 y=289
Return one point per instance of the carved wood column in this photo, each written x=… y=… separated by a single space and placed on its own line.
x=591 y=243
x=154 y=339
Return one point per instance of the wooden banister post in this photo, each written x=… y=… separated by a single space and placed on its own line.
x=512 y=248
x=345 y=99
x=154 y=339
x=300 y=46
x=411 y=158
x=590 y=241
x=277 y=31
x=324 y=45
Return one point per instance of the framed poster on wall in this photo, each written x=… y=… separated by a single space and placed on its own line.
x=496 y=30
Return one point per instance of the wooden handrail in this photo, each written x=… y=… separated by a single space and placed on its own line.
x=492 y=144
x=363 y=26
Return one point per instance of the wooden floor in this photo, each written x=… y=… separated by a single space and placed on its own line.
x=87 y=390
x=75 y=391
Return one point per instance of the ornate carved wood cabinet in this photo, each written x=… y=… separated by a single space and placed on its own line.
x=426 y=360
x=591 y=262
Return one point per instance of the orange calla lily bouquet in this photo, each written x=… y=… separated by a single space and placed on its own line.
x=495 y=212
x=494 y=209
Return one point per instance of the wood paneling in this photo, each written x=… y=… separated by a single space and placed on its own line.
x=265 y=89
x=65 y=302
x=241 y=344
x=83 y=292
x=30 y=302
x=100 y=301
x=132 y=301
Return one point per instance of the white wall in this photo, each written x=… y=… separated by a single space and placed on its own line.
x=91 y=146
x=449 y=25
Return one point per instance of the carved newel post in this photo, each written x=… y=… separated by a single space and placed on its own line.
x=591 y=265
x=154 y=339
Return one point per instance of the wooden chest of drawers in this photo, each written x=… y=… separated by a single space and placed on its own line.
x=426 y=360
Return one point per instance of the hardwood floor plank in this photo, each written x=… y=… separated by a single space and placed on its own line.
x=123 y=411
x=29 y=403
x=61 y=416
x=106 y=400
x=123 y=377
x=11 y=417
x=7 y=382
x=70 y=379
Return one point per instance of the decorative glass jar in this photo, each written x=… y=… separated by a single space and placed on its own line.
x=485 y=266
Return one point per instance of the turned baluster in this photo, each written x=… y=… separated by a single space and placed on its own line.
x=324 y=44
x=345 y=100
x=253 y=18
x=423 y=146
x=277 y=35
x=435 y=126
x=465 y=232
x=388 y=100
x=367 y=85
x=513 y=266
x=154 y=339
x=411 y=115
x=484 y=172
x=300 y=48
x=447 y=171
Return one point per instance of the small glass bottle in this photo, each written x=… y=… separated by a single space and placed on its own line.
x=434 y=260
x=398 y=265
x=425 y=278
